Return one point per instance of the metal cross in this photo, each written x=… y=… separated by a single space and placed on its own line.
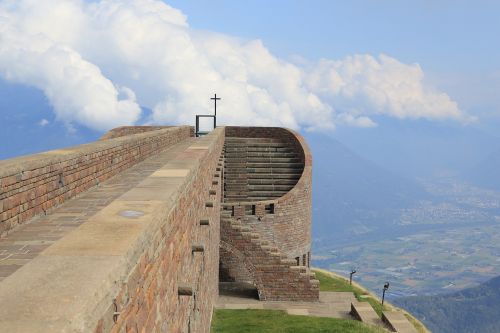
x=215 y=99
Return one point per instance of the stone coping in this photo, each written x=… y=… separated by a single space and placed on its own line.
x=29 y=162
x=69 y=285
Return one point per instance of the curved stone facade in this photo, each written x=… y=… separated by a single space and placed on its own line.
x=284 y=221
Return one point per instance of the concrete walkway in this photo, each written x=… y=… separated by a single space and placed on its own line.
x=331 y=304
x=28 y=240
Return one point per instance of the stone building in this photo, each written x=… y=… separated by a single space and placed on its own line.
x=134 y=232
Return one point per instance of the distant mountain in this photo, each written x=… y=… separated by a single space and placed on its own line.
x=486 y=173
x=353 y=195
x=420 y=148
x=472 y=310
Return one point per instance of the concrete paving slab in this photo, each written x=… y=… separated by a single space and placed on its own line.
x=170 y=173
x=243 y=306
x=331 y=304
x=109 y=232
x=46 y=294
x=298 y=312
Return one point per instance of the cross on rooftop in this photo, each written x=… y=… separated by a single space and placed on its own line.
x=215 y=99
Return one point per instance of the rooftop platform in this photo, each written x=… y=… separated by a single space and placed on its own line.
x=64 y=271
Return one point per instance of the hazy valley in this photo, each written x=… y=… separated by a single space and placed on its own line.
x=425 y=233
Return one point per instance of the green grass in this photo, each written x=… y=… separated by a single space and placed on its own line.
x=276 y=321
x=331 y=283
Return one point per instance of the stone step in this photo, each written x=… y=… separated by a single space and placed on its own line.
x=314 y=282
x=273 y=165
x=253 y=154
x=261 y=187
x=289 y=262
x=240 y=139
x=283 y=149
x=364 y=312
x=270 y=181
x=235 y=178
x=273 y=160
x=294 y=175
x=263 y=194
x=275 y=170
x=252 y=199
x=235 y=186
x=248 y=157
x=301 y=269
x=234 y=164
x=242 y=198
x=255 y=143
x=398 y=322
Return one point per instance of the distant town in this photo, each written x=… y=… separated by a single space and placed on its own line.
x=455 y=245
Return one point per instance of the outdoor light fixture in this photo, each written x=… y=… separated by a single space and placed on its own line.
x=386 y=286
x=350 y=276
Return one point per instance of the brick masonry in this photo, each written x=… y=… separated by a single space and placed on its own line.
x=276 y=277
x=289 y=228
x=31 y=185
x=158 y=272
x=149 y=300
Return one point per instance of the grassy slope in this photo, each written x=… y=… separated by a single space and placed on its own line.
x=275 y=321
x=332 y=282
x=329 y=282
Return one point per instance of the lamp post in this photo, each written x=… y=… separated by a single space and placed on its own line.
x=386 y=286
x=350 y=276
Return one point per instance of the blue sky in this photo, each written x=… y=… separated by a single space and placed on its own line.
x=309 y=65
x=441 y=35
x=456 y=42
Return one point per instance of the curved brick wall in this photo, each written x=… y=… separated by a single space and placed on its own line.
x=31 y=185
x=289 y=228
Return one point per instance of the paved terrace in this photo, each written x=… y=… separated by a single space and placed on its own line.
x=331 y=304
x=30 y=239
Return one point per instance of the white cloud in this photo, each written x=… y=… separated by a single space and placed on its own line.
x=44 y=122
x=363 y=85
x=98 y=61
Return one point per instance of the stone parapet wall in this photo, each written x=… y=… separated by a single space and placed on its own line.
x=129 y=130
x=149 y=300
x=31 y=185
x=289 y=227
x=147 y=262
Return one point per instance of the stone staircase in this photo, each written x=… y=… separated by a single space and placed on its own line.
x=276 y=277
x=258 y=169
x=393 y=321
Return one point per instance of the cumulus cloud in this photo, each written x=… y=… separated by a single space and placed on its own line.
x=363 y=85
x=98 y=61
